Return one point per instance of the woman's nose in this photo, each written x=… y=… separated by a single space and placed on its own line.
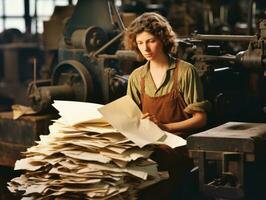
x=146 y=47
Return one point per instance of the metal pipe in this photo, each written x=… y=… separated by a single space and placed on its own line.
x=121 y=55
x=243 y=38
x=250 y=15
x=42 y=97
x=215 y=58
x=112 y=8
x=107 y=44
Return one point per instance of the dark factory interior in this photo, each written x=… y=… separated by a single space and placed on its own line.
x=73 y=51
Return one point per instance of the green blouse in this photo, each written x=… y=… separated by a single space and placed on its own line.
x=189 y=85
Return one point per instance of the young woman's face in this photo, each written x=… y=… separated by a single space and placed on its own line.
x=149 y=45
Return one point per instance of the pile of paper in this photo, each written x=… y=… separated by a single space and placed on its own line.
x=84 y=157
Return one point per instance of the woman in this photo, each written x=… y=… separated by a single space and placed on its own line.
x=168 y=90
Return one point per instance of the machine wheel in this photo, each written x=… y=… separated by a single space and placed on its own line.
x=76 y=75
x=95 y=38
x=90 y=39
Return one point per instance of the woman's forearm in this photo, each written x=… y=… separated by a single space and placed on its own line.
x=197 y=121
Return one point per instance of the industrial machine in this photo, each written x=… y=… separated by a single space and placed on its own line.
x=231 y=157
x=234 y=81
x=231 y=160
x=90 y=64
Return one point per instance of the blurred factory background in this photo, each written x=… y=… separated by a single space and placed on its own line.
x=71 y=50
x=54 y=33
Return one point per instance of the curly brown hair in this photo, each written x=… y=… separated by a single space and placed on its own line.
x=155 y=24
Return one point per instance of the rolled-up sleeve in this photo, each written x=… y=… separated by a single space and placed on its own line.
x=192 y=90
x=133 y=87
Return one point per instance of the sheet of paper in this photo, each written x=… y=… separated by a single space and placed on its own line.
x=19 y=110
x=74 y=112
x=30 y=164
x=172 y=140
x=125 y=116
x=35 y=189
x=82 y=155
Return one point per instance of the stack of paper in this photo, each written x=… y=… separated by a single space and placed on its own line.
x=87 y=158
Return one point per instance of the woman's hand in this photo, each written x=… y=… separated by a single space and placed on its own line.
x=153 y=118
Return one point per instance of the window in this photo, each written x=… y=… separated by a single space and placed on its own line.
x=31 y=13
x=41 y=10
x=18 y=23
x=12 y=15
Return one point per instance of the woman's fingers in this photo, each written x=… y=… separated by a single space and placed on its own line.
x=154 y=119
x=145 y=115
x=151 y=117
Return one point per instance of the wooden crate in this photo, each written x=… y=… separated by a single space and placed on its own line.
x=17 y=135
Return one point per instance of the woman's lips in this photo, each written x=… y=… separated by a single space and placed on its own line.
x=147 y=55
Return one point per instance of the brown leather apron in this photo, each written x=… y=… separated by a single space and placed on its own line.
x=168 y=108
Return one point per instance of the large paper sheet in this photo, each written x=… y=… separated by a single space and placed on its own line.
x=74 y=112
x=125 y=116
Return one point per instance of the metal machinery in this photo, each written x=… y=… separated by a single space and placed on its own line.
x=90 y=65
x=231 y=157
x=88 y=68
x=231 y=160
x=234 y=81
